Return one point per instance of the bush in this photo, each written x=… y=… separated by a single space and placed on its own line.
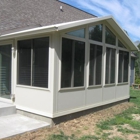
x=137 y=81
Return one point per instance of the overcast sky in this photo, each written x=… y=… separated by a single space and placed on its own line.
x=126 y=12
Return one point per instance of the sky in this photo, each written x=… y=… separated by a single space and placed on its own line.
x=125 y=12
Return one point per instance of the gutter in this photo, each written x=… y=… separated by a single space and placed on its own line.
x=29 y=32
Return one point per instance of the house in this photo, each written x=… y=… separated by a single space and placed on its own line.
x=56 y=60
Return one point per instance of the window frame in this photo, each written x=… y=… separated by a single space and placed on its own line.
x=49 y=61
x=64 y=35
x=94 y=79
x=109 y=77
x=112 y=32
x=122 y=79
x=87 y=51
x=72 y=76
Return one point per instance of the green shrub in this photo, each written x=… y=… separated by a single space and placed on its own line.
x=137 y=81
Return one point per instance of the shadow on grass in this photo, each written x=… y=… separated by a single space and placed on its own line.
x=132 y=97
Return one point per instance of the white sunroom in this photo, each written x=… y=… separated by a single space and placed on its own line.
x=60 y=69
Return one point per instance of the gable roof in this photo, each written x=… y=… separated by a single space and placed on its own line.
x=58 y=27
x=16 y=15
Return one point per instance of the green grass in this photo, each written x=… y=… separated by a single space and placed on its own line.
x=126 y=116
x=62 y=136
x=118 y=121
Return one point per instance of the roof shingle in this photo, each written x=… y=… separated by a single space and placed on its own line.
x=19 y=15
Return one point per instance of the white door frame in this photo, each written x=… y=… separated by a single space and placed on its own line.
x=9 y=42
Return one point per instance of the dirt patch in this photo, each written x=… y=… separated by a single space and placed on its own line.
x=85 y=125
x=114 y=132
x=136 y=117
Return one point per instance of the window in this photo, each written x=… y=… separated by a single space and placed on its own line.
x=123 y=66
x=95 y=32
x=110 y=66
x=110 y=38
x=78 y=33
x=73 y=61
x=33 y=58
x=95 y=65
x=120 y=44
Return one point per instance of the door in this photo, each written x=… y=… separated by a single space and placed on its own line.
x=5 y=71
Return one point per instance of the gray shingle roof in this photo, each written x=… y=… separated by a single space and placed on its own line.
x=18 y=15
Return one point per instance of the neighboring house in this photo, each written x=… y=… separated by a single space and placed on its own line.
x=56 y=59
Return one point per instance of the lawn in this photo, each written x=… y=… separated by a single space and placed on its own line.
x=118 y=122
x=123 y=126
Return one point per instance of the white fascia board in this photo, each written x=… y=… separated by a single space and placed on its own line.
x=122 y=34
x=81 y=22
x=112 y=23
x=33 y=31
x=45 y=29
x=62 y=26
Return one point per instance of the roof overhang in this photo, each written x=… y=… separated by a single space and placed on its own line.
x=58 y=27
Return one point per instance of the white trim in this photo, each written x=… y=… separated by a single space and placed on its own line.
x=62 y=113
x=110 y=85
x=103 y=58
x=32 y=87
x=5 y=100
x=57 y=27
x=95 y=42
x=123 y=83
x=71 y=89
x=34 y=111
x=49 y=61
x=94 y=86
x=123 y=49
x=73 y=38
x=110 y=46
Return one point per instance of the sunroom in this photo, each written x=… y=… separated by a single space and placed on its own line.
x=66 y=68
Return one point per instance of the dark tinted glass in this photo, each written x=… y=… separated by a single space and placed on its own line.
x=120 y=44
x=24 y=62
x=79 y=61
x=110 y=38
x=98 y=65
x=66 y=70
x=123 y=66
x=126 y=62
x=95 y=32
x=120 y=67
x=95 y=64
x=110 y=65
x=107 y=66
x=78 y=33
x=5 y=71
x=73 y=60
x=40 y=62
x=112 y=77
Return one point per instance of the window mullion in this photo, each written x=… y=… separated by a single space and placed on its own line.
x=73 y=57
x=123 y=67
x=109 y=78
x=94 y=74
x=32 y=63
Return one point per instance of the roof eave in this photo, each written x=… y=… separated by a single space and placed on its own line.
x=28 y=32
x=62 y=26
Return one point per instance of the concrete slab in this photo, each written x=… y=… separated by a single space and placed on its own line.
x=17 y=124
x=7 y=109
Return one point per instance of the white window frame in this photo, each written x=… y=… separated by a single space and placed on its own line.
x=49 y=61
